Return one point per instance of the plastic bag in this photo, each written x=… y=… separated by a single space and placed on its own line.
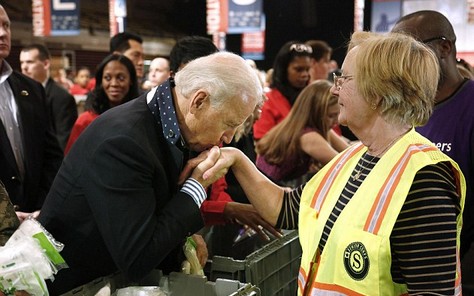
x=141 y=291
x=191 y=265
x=29 y=257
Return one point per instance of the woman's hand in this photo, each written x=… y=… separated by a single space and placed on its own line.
x=209 y=166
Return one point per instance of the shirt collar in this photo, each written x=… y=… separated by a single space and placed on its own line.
x=160 y=102
x=5 y=72
x=45 y=82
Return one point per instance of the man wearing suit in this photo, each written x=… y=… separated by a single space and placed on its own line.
x=35 y=63
x=116 y=203
x=29 y=153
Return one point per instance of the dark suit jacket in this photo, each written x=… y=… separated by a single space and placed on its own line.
x=115 y=202
x=42 y=155
x=62 y=110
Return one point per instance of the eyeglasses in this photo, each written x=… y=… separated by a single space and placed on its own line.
x=462 y=62
x=340 y=79
x=300 y=47
x=434 y=38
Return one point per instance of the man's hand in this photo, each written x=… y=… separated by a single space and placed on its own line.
x=201 y=249
x=247 y=215
x=22 y=216
x=198 y=166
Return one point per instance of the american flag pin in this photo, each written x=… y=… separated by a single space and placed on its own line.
x=24 y=93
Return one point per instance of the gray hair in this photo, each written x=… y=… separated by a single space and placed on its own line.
x=223 y=75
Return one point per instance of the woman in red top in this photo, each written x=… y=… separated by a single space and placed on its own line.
x=290 y=76
x=116 y=84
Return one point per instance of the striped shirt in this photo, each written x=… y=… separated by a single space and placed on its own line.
x=423 y=241
x=193 y=188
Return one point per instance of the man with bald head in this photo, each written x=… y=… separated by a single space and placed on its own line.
x=159 y=71
x=29 y=151
x=451 y=127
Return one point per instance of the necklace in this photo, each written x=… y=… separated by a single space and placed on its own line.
x=360 y=167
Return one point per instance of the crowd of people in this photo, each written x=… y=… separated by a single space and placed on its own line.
x=203 y=143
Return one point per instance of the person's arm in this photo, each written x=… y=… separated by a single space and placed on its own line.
x=337 y=142
x=220 y=208
x=139 y=219
x=8 y=219
x=423 y=240
x=265 y=196
x=313 y=144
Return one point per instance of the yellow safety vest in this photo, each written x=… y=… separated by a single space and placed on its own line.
x=356 y=258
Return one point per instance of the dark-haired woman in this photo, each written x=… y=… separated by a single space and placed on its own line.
x=290 y=76
x=116 y=84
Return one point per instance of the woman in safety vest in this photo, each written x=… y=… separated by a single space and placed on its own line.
x=384 y=216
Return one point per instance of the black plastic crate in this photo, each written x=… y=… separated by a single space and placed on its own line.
x=273 y=268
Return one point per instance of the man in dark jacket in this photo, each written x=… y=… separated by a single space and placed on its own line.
x=116 y=203
x=35 y=63
x=29 y=152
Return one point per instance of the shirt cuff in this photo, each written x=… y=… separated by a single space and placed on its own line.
x=195 y=190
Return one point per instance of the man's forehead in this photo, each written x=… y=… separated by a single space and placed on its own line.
x=135 y=45
x=30 y=54
x=3 y=15
x=415 y=27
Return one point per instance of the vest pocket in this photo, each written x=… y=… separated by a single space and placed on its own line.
x=356 y=261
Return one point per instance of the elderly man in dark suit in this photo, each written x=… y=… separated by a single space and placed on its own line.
x=116 y=203
x=35 y=61
x=29 y=152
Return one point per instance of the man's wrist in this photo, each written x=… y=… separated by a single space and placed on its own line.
x=194 y=189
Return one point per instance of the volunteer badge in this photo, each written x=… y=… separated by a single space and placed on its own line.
x=356 y=261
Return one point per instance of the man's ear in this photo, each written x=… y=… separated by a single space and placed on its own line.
x=199 y=101
x=47 y=64
x=446 y=47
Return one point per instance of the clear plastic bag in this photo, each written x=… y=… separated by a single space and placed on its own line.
x=191 y=265
x=29 y=257
x=141 y=291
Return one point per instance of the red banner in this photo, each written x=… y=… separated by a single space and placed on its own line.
x=253 y=45
x=216 y=16
x=41 y=18
x=117 y=15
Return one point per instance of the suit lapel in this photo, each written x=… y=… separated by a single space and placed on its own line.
x=6 y=149
x=5 y=142
x=26 y=105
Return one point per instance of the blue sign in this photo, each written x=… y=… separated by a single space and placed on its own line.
x=245 y=16
x=65 y=17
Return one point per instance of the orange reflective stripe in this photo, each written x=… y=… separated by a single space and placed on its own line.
x=301 y=279
x=382 y=201
x=457 y=283
x=328 y=179
x=325 y=289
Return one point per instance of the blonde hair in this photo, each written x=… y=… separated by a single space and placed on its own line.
x=400 y=72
